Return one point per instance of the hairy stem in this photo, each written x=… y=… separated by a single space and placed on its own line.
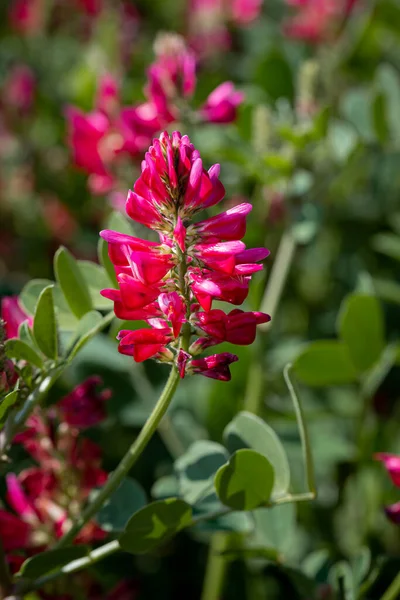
x=128 y=460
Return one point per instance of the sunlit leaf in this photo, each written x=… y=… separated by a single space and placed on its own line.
x=44 y=324
x=72 y=283
x=20 y=350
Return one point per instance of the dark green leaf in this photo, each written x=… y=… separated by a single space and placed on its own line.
x=249 y=431
x=274 y=75
x=72 y=283
x=325 y=363
x=246 y=481
x=388 y=244
x=275 y=527
x=45 y=562
x=20 y=350
x=197 y=467
x=128 y=498
x=154 y=524
x=44 y=324
x=5 y=405
x=361 y=327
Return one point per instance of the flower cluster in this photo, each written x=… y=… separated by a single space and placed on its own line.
x=100 y=139
x=317 y=20
x=47 y=497
x=392 y=464
x=172 y=283
x=208 y=20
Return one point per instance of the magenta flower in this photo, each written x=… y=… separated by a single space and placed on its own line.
x=84 y=406
x=316 y=21
x=221 y=105
x=193 y=264
x=392 y=464
x=13 y=316
x=19 y=89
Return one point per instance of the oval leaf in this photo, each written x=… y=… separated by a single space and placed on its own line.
x=246 y=482
x=45 y=562
x=361 y=327
x=96 y=279
x=20 y=350
x=154 y=524
x=44 y=324
x=88 y=326
x=127 y=499
x=325 y=363
x=30 y=294
x=249 y=431
x=72 y=283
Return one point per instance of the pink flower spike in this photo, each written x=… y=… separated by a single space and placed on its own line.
x=141 y=210
x=13 y=315
x=84 y=406
x=392 y=464
x=135 y=294
x=180 y=234
x=221 y=105
x=148 y=267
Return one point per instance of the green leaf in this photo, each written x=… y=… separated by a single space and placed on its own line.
x=196 y=469
x=44 y=324
x=117 y=222
x=72 y=283
x=88 y=326
x=30 y=294
x=275 y=527
x=5 y=405
x=96 y=279
x=361 y=564
x=388 y=244
x=246 y=481
x=154 y=524
x=25 y=334
x=387 y=290
x=45 y=562
x=361 y=327
x=128 y=498
x=104 y=259
x=388 y=82
x=342 y=139
x=341 y=579
x=325 y=363
x=249 y=431
x=238 y=522
x=274 y=75
x=20 y=350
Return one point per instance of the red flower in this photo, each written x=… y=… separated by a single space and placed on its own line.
x=193 y=263
x=392 y=464
x=84 y=406
x=221 y=105
x=316 y=20
x=13 y=315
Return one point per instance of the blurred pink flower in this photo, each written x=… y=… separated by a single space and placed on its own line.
x=315 y=21
x=13 y=315
x=59 y=220
x=84 y=406
x=392 y=464
x=221 y=105
x=19 y=88
x=26 y=16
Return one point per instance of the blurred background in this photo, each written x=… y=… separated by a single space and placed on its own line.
x=315 y=146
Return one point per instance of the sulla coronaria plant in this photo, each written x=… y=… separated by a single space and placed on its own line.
x=171 y=284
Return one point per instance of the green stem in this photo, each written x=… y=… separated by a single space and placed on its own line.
x=304 y=438
x=216 y=567
x=128 y=460
x=278 y=277
x=393 y=592
x=5 y=576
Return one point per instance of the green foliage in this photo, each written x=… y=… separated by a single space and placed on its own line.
x=72 y=283
x=20 y=350
x=325 y=363
x=44 y=324
x=5 y=406
x=246 y=482
x=154 y=524
x=125 y=501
